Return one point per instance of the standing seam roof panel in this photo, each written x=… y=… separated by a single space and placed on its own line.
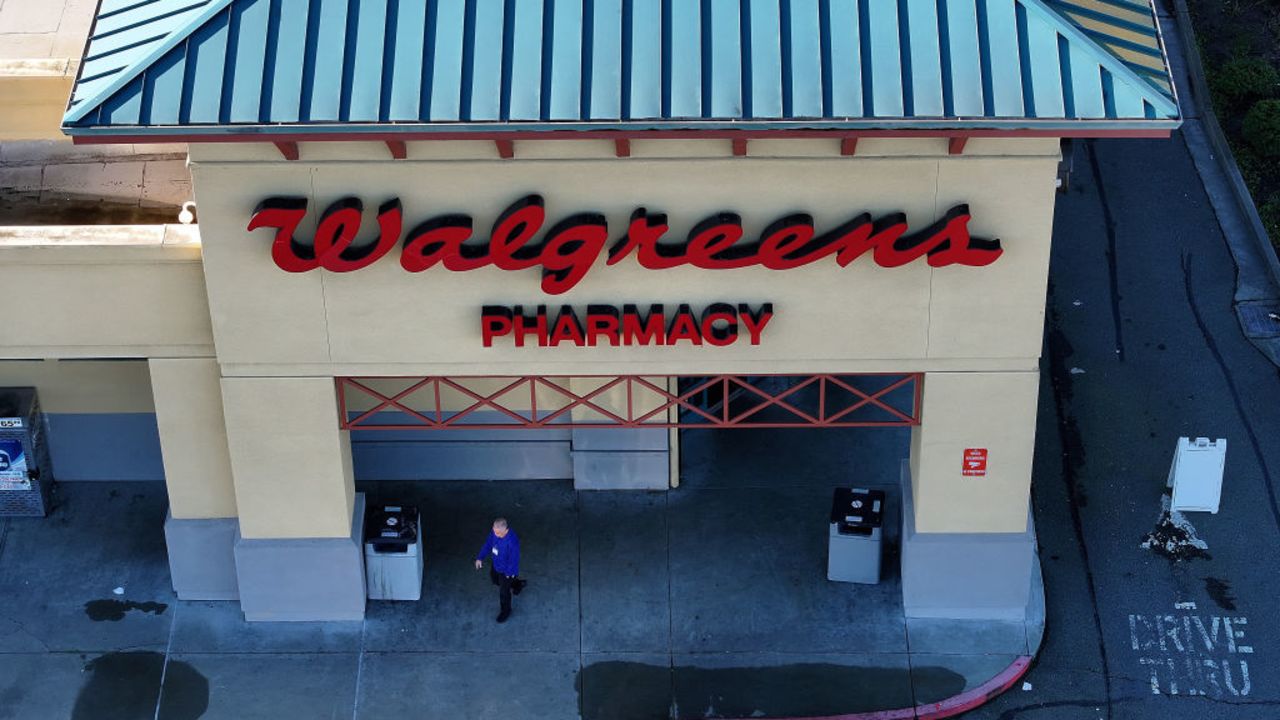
x=288 y=71
x=564 y=70
x=407 y=68
x=1046 y=85
x=722 y=76
x=967 y=94
x=766 y=60
x=1005 y=63
x=327 y=51
x=645 y=63
x=1128 y=103
x=163 y=80
x=1086 y=85
x=806 y=60
x=886 y=60
x=525 y=85
x=364 y=99
x=926 y=61
x=446 y=63
x=846 y=62
x=682 y=59
x=125 y=107
x=206 y=73
x=251 y=47
x=485 y=101
x=603 y=83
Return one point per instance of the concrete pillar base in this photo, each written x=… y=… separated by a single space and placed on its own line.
x=964 y=575
x=202 y=561
x=307 y=579
x=621 y=459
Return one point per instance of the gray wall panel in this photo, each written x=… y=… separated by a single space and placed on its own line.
x=104 y=446
x=430 y=459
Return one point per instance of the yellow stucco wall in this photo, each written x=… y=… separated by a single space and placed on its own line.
x=83 y=386
x=35 y=92
x=104 y=291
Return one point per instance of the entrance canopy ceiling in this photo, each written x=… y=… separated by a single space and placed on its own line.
x=194 y=69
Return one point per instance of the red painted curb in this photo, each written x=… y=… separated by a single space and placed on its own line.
x=978 y=696
x=950 y=707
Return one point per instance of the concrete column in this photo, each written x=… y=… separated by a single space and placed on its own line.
x=995 y=412
x=290 y=460
x=298 y=554
x=193 y=438
x=968 y=543
x=201 y=527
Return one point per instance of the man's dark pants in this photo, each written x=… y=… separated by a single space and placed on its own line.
x=504 y=584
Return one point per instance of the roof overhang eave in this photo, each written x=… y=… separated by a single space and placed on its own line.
x=708 y=129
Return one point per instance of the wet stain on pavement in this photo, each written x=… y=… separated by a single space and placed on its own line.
x=115 y=610
x=126 y=686
x=1220 y=592
x=1073 y=453
x=637 y=691
x=1073 y=460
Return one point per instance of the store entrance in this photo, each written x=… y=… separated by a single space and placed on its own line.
x=528 y=427
x=677 y=596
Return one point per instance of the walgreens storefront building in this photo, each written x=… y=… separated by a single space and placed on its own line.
x=600 y=225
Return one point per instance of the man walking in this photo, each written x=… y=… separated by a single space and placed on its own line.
x=503 y=546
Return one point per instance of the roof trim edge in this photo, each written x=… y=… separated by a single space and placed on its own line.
x=379 y=133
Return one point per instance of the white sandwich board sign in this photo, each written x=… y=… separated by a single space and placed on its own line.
x=1196 y=474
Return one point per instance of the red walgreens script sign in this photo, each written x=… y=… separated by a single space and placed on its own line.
x=568 y=249
x=975 y=462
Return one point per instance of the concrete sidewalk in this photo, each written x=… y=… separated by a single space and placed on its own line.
x=706 y=601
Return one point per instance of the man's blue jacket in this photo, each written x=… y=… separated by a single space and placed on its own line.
x=504 y=552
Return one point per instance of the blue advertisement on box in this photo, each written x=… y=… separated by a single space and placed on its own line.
x=13 y=466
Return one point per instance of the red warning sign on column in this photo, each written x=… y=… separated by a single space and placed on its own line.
x=975 y=462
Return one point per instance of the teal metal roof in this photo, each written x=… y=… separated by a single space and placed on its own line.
x=195 y=67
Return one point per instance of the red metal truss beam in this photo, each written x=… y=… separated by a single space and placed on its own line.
x=839 y=410
x=679 y=401
x=776 y=400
